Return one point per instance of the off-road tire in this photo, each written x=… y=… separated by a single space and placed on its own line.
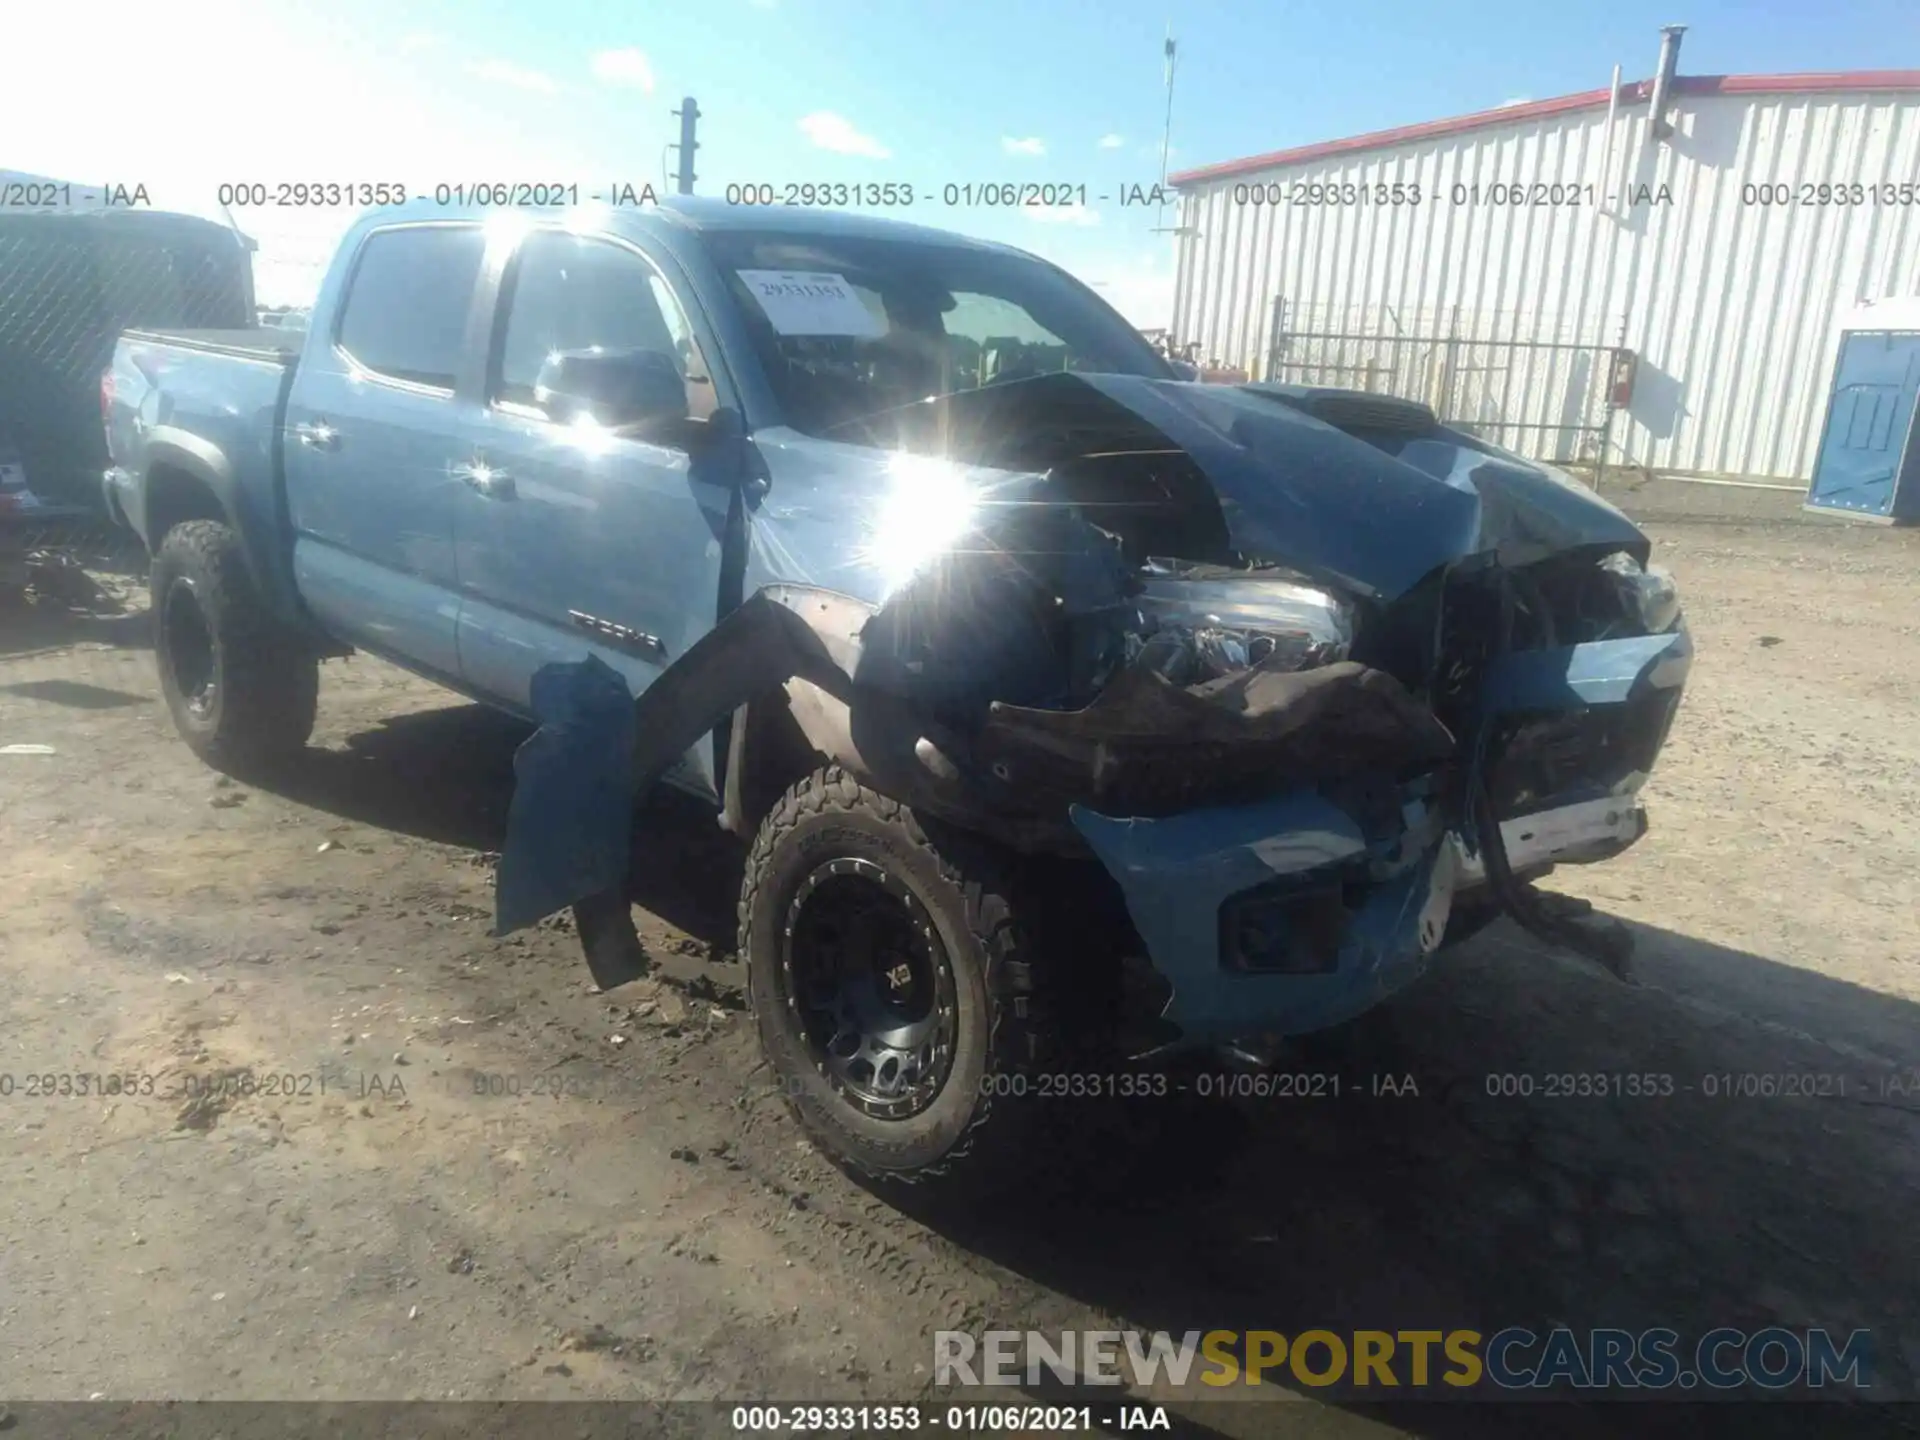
x=973 y=1131
x=260 y=705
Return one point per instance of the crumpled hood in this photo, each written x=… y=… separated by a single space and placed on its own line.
x=1372 y=515
x=1378 y=514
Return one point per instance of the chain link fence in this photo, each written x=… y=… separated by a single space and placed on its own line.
x=69 y=284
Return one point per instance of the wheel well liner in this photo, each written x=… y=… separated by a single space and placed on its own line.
x=181 y=487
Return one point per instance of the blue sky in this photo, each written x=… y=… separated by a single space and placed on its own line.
x=921 y=91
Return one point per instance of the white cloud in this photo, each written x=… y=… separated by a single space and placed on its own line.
x=1516 y=100
x=829 y=131
x=1032 y=145
x=1075 y=214
x=1112 y=142
x=505 y=72
x=624 y=67
x=418 y=40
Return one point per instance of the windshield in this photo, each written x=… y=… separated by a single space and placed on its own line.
x=849 y=328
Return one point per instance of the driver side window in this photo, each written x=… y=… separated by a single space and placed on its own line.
x=575 y=292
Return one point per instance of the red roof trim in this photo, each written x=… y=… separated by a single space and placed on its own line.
x=1631 y=93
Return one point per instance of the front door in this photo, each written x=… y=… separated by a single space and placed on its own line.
x=572 y=538
x=370 y=433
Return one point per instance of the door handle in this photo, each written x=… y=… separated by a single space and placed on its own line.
x=319 y=436
x=494 y=483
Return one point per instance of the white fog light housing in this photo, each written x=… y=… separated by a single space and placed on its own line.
x=1648 y=592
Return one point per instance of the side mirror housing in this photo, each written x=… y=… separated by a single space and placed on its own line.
x=1185 y=369
x=616 y=388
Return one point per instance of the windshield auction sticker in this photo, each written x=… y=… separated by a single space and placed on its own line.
x=806 y=302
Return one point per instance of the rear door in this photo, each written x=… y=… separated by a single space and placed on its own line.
x=370 y=438
x=575 y=539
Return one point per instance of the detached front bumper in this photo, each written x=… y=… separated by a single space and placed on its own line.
x=1299 y=912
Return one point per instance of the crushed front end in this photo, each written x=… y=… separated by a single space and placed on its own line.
x=1314 y=683
x=1292 y=836
x=1319 y=751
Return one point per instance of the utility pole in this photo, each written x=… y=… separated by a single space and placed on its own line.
x=1166 y=140
x=1166 y=133
x=1171 y=51
x=689 y=114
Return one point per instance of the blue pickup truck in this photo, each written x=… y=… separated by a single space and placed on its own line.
x=1044 y=683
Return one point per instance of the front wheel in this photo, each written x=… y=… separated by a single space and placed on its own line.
x=242 y=690
x=890 y=981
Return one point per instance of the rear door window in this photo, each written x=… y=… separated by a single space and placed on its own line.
x=407 y=304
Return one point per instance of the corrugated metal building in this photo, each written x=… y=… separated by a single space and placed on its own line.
x=1497 y=264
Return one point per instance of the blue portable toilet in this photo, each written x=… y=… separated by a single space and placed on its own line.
x=1868 y=463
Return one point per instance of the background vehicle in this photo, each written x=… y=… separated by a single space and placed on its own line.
x=930 y=576
x=71 y=279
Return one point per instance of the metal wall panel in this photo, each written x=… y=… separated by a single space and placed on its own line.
x=1729 y=302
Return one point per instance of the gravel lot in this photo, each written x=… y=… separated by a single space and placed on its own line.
x=656 y=1229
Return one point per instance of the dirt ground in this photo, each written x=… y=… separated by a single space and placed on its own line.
x=482 y=1180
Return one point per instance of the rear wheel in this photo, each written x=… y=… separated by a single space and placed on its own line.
x=243 y=690
x=891 y=985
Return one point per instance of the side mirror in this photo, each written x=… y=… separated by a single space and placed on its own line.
x=1185 y=369
x=617 y=388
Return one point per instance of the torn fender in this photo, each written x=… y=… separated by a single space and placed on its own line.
x=597 y=747
x=570 y=824
x=572 y=808
x=849 y=695
x=777 y=634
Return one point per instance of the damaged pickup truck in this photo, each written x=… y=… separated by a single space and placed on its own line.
x=1056 y=695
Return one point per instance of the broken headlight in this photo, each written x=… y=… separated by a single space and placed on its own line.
x=1198 y=629
x=1647 y=593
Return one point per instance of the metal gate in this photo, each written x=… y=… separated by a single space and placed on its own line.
x=1549 y=400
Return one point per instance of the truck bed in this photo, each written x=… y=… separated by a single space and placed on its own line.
x=261 y=342
x=208 y=402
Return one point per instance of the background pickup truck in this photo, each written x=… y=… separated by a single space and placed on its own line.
x=922 y=567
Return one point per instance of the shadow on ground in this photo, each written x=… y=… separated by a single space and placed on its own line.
x=32 y=625
x=1702 y=1202
x=1481 y=1159
x=75 y=694
x=446 y=775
